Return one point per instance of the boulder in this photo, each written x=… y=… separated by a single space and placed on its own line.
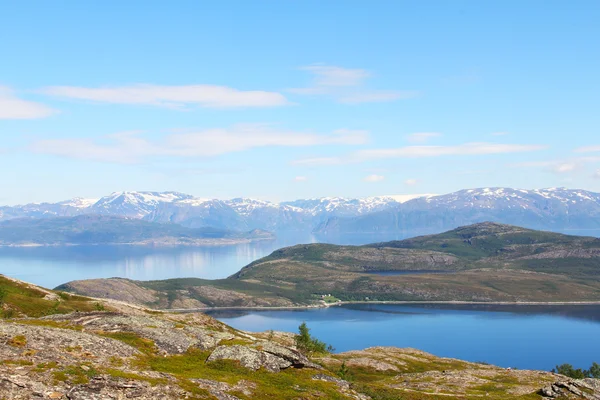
x=249 y=358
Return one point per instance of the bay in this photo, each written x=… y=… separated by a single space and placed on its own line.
x=524 y=337
x=51 y=266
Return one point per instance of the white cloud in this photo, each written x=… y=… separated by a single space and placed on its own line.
x=210 y=96
x=422 y=137
x=318 y=161
x=597 y=174
x=411 y=182
x=559 y=166
x=587 y=149
x=131 y=147
x=466 y=149
x=374 y=178
x=300 y=179
x=377 y=96
x=11 y=107
x=326 y=75
x=562 y=168
x=470 y=149
x=347 y=86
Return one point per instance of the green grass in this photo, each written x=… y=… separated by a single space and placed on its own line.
x=29 y=301
x=144 y=345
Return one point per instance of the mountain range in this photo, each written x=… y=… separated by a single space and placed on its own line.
x=557 y=209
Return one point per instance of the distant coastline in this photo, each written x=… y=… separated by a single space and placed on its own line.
x=148 y=243
x=343 y=303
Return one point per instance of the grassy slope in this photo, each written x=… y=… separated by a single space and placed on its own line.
x=180 y=370
x=20 y=299
x=488 y=261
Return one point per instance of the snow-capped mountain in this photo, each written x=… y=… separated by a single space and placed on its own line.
x=340 y=206
x=553 y=209
x=134 y=204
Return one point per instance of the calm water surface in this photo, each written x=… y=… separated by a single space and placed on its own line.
x=526 y=337
x=51 y=266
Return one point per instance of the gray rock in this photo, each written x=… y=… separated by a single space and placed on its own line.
x=297 y=359
x=249 y=358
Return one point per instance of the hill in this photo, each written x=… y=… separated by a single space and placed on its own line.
x=61 y=346
x=485 y=262
x=99 y=229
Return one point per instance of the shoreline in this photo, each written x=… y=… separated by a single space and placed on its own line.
x=200 y=243
x=405 y=302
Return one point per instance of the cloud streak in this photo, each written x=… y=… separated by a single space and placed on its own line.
x=11 y=107
x=588 y=149
x=466 y=149
x=132 y=147
x=347 y=86
x=208 y=96
x=422 y=137
x=374 y=178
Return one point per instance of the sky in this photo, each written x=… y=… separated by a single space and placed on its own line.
x=280 y=100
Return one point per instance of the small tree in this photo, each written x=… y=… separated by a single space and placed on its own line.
x=570 y=371
x=594 y=371
x=308 y=344
x=344 y=372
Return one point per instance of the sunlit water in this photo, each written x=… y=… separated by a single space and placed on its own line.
x=51 y=266
x=526 y=337
x=534 y=337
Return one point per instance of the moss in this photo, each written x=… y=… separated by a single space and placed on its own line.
x=75 y=374
x=18 y=341
x=50 y=324
x=117 y=373
x=16 y=362
x=144 y=345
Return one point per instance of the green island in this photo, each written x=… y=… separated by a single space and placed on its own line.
x=481 y=263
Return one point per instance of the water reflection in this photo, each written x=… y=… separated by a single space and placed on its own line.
x=51 y=266
x=530 y=337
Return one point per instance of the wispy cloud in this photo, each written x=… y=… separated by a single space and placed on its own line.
x=466 y=149
x=374 y=178
x=422 y=137
x=300 y=179
x=559 y=166
x=588 y=149
x=597 y=174
x=132 y=147
x=12 y=107
x=209 y=96
x=411 y=182
x=318 y=161
x=347 y=86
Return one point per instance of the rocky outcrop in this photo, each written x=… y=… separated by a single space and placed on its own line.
x=250 y=358
x=169 y=337
x=297 y=359
x=573 y=389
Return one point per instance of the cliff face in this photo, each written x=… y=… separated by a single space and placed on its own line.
x=117 y=350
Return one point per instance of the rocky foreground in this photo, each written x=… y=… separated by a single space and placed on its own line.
x=55 y=345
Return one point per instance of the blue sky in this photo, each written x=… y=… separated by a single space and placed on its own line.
x=293 y=99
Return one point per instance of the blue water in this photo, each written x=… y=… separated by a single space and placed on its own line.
x=525 y=337
x=51 y=266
